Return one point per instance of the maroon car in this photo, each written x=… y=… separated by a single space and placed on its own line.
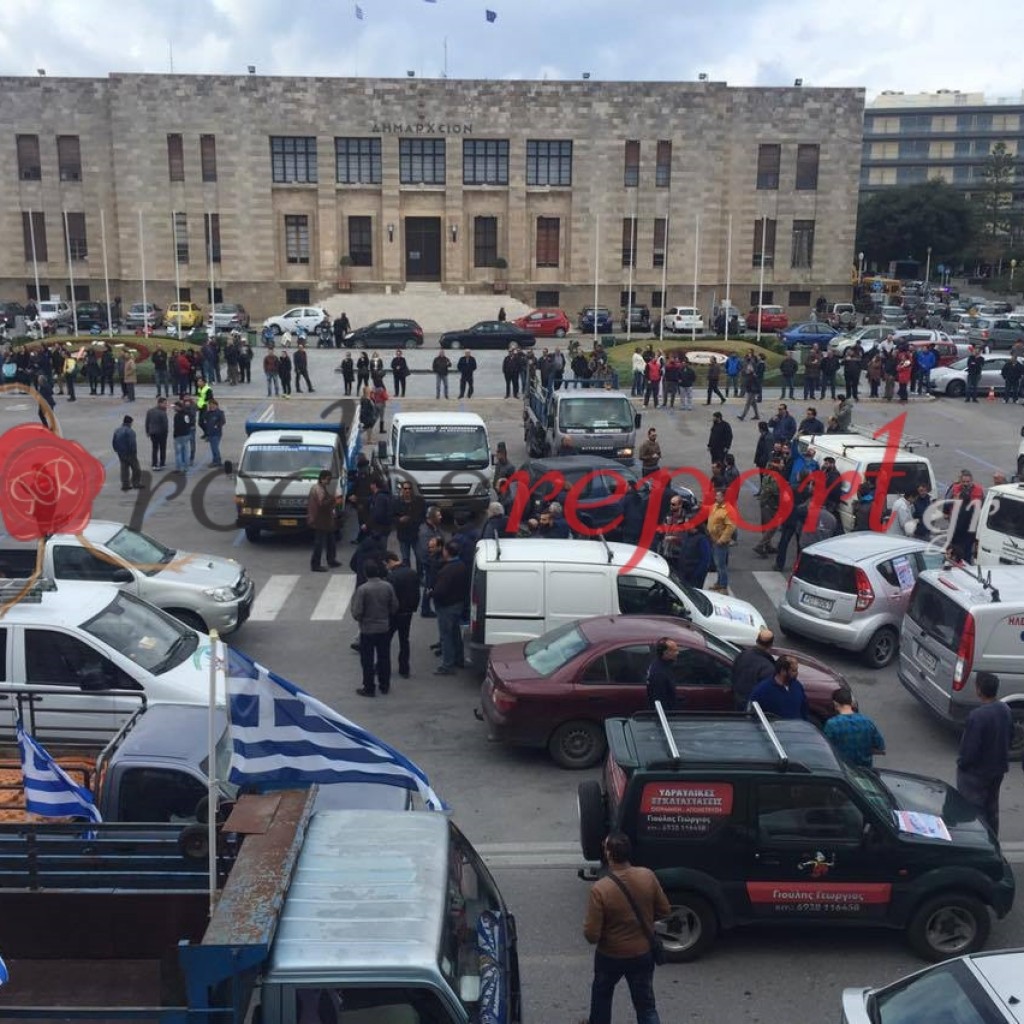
x=557 y=690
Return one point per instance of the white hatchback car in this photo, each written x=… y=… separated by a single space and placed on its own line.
x=307 y=317
x=56 y=310
x=683 y=319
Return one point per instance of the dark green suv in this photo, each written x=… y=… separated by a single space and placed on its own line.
x=746 y=820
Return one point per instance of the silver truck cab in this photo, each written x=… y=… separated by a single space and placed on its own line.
x=393 y=918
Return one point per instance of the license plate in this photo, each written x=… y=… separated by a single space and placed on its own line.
x=289 y=522
x=813 y=601
x=927 y=658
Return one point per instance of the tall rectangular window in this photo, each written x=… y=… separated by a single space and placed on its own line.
x=30 y=166
x=485 y=161
x=421 y=161
x=548 y=230
x=208 y=157
x=357 y=161
x=69 y=158
x=548 y=163
x=807 y=157
x=660 y=231
x=631 y=171
x=485 y=241
x=803 y=243
x=293 y=159
x=296 y=238
x=629 y=241
x=360 y=241
x=769 y=159
x=74 y=238
x=33 y=227
x=764 y=243
x=179 y=225
x=175 y=158
x=211 y=223
x=663 y=167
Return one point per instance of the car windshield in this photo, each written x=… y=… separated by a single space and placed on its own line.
x=550 y=652
x=443 y=445
x=1006 y=516
x=138 y=549
x=605 y=413
x=700 y=600
x=939 y=616
x=873 y=789
x=148 y=636
x=948 y=992
x=295 y=460
x=905 y=476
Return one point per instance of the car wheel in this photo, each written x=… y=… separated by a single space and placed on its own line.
x=956 y=389
x=252 y=534
x=191 y=619
x=950 y=924
x=579 y=744
x=593 y=819
x=276 y=328
x=882 y=647
x=690 y=929
x=455 y=344
x=560 y=333
x=1017 y=732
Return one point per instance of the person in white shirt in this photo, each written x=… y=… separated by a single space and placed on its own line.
x=903 y=521
x=639 y=367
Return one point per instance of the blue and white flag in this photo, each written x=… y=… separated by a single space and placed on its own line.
x=49 y=790
x=359 y=13
x=491 y=15
x=281 y=736
x=4 y=976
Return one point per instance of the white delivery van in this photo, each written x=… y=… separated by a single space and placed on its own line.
x=523 y=587
x=278 y=466
x=861 y=454
x=446 y=456
x=1000 y=530
x=963 y=620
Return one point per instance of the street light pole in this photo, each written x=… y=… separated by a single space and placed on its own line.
x=928 y=269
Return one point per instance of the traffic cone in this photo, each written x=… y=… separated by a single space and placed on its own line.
x=991 y=394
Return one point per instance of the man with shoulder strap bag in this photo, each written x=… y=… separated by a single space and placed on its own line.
x=621 y=911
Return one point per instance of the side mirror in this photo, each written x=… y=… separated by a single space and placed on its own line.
x=121 y=576
x=636 y=421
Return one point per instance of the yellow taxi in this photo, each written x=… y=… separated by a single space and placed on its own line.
x=183 y=315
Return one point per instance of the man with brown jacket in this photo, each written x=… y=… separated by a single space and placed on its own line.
x=623 y=945
x=320 y=516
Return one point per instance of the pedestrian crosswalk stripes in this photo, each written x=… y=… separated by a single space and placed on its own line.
x=271 y=597
x=334 y=601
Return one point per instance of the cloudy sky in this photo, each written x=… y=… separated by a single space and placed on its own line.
x=908 y=45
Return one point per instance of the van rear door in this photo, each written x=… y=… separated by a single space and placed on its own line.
x=1001 y=530
x=930 y=643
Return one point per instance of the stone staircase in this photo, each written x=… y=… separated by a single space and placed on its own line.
x=432 y=308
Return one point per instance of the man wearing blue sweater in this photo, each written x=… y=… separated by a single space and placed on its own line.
x=782 y=694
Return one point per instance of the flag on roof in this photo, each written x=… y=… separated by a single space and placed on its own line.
x=282 y=736
x=491 y=15
x=49 y=790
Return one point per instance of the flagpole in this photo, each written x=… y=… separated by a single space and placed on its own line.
x=664 y=280
x=632 y=261
x=209 y=255
x=106 y=276
x=211 y=771
x=142 y=261
x=35 y=262
x=696 y=271
x=728 y=275
x=760 y=281
x=177 y=275
x=71 y=275
x=597 y=257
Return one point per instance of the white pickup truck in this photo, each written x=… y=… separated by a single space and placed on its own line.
x=203 y=591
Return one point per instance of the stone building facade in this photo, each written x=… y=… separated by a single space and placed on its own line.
x=301 y=187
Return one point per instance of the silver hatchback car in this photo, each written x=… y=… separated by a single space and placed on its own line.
x=852 y=591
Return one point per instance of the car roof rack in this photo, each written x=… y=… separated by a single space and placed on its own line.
x=670 y=740
x=773 y=738
x=10 y=588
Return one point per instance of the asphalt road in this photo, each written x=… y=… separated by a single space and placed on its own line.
x=516 y=805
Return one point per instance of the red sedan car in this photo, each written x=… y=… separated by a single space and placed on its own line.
x=557 y=690
x=773 y=318
x=545 y=323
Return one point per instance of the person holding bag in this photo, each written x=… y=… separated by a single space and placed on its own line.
x=621 y=911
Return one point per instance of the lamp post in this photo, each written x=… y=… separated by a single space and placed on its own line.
x=1013 y=267
x=928 y=269
x=860 y=264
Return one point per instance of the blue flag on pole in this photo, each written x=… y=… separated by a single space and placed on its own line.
x=282 y=736
x=4 y=976
x=359 y=13
x=491 y=15
x=49 y=790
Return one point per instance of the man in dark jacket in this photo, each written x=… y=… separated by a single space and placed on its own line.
x=788 y=368
x=379 y=513
x=634 y=508
x=126 y=448
x=300 y=364
x=409 y=512
x=451 y=589
x=719 y=438
x=373 y=606
x=399 y=373
x=810 y=424
x=406 y=583
x=661 y=684
x=441 y=365
x=467 y=368
x=156 y=430
x=985 y=750
x=753 y=665
x=694 y=559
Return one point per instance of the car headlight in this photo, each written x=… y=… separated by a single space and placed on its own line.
x=220 y=593
x=624 y=453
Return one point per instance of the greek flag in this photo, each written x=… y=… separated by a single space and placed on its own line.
x=4 y=976
x=49 y=791
x=281 y=736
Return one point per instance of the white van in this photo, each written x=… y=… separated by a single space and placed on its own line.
x=861 y=454
x=961 y=621
x=523 y=587
x=1000 y=530
x=446 y=456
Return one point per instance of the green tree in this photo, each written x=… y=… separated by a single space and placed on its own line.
x=902 y=222
x=993 y=202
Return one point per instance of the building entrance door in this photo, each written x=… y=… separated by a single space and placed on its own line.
x=423 y=248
